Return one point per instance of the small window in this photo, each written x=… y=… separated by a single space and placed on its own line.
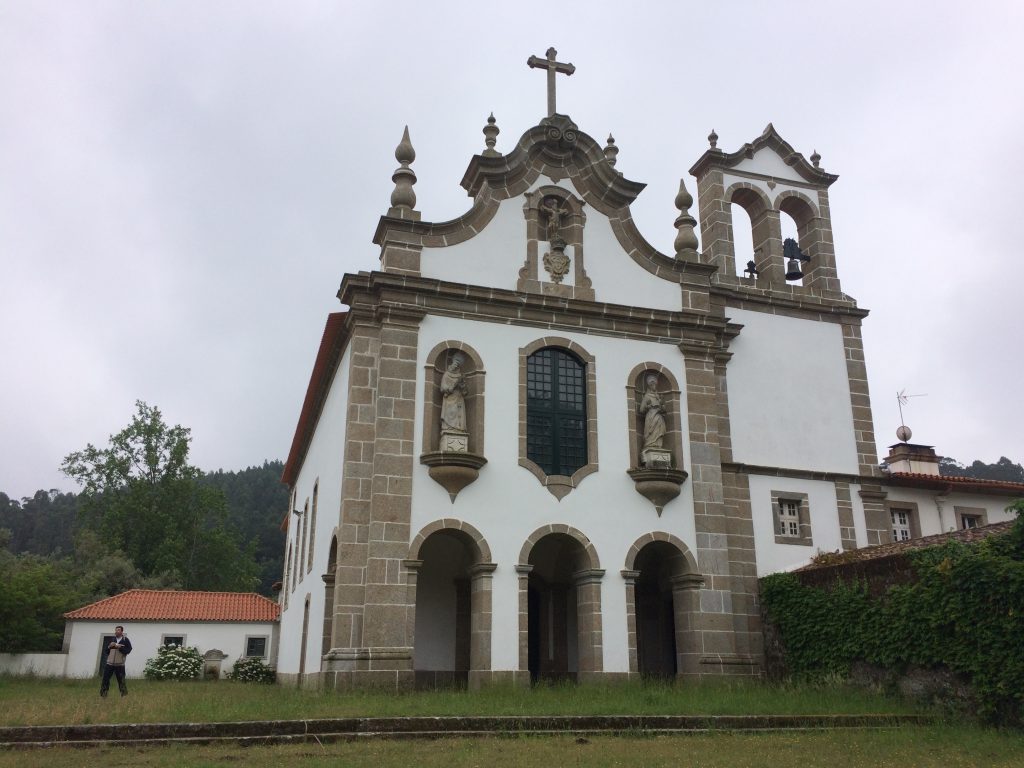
x=789 y=516
x=792 y=518
x=970 y=517
x=256 y=647
x=900 y=523
x=178 y=640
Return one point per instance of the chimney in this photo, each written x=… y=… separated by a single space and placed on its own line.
x=912 y=458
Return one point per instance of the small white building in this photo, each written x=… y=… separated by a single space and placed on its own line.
x=224 y=626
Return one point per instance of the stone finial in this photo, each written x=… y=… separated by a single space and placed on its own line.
x=686 y=239
x=815 y=159
x=403 y=199
x=611 y=152
x=491 y=132
x=713 y=139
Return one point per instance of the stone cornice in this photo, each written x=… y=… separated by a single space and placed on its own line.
x=411 y=297
x=791 y=299
x=769 y=139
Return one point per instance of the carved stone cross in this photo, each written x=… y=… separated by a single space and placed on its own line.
x=553 y=67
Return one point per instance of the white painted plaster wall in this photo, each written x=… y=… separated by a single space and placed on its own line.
x=494 y=257
x=937 y=513
x=768 y=162
x=789 y=395
x=38 y=664
x=729 y=179
x=821 y=504
x=86 y=639
x=507 y=503
x=324 y=460
x=444 y=560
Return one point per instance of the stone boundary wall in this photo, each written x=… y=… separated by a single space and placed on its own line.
x=38 y=664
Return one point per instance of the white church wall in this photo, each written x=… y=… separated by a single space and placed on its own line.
x=323 y=463
x=789 y=395
x=937 y=512
x=494 y=257
x=768 y=162
x=507 y=503
x=728 y=179
x=616 y=278
x=821 y=504
x=86 y=637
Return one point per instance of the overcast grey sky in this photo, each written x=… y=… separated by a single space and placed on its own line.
x=183 y=185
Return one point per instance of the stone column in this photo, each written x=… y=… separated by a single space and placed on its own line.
x=480 y=624
x=844 y=506
x=590 y=643
x=325 y=645
x=816 y=240
x=685 y=614
x=629 y=578
x=716 y=229
x=353 y=534
x=767 y=231
x=386 y=640
x=522 y=677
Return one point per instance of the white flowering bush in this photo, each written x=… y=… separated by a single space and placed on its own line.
x=252 y=670
x=174 y=662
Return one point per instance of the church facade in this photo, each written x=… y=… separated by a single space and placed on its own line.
x=533 y=446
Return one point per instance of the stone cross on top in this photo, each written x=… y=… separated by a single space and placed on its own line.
x=553 y=67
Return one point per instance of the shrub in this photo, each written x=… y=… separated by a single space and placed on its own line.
x=174 y=662
x=252 y=670
x=965 y=612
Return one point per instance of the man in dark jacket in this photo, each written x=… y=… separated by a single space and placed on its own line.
x=117 y=650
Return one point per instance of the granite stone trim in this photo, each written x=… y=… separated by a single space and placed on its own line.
x=914 y=519
x=844 y=508
x=668 y=388
x=560 y=485
x=876 y=513
x=530 y=278
x=860 y=400
x=469 y=534
x=979 y=513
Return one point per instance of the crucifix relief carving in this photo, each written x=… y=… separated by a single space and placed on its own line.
x=553 y=67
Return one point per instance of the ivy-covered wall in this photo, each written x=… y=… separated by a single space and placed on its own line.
x=964 y=610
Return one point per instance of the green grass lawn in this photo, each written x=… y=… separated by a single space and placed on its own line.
x=905 y=747
x=27 y=701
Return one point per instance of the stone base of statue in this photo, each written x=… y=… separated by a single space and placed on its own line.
x=658 y=486
x=656 y=458
x=452 y=470
x=454 y=441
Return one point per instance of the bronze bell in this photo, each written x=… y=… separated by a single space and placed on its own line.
x=793 y=270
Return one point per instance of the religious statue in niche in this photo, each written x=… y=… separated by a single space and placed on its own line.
x=555 y=260
x=454 y=433
x=652 y=409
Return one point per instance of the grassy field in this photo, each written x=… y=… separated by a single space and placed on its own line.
x=909 y=747
x=26 y=701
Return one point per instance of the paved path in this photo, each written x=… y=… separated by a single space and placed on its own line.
x=350 y=728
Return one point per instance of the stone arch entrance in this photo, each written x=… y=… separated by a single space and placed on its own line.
x=559 y=605
x=662 y=593
x=450 y=570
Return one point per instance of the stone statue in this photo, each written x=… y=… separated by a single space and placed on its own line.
x=453 y=397
x=555 y=216
x=652 y=409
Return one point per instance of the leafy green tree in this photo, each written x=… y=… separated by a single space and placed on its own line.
x=36 y=592
x=144 y=498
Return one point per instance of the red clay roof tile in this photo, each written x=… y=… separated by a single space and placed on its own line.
x=177 y=605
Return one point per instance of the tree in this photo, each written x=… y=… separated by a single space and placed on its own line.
x=144 y=498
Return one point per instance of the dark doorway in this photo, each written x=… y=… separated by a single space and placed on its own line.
x=655 y=610
x=552 y=621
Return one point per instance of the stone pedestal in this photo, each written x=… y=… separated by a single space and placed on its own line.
x=658 y=486
x=454 y=441
x=452 y=470
x=656 y=458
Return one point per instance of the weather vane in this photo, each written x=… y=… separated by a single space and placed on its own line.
x=902 y=398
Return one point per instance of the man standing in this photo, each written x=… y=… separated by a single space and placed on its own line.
x=117 y=650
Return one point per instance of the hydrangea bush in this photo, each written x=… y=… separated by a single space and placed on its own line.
x=252 y=670
x=174 y=662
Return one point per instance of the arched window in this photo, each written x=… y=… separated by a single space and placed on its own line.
x=556 y=411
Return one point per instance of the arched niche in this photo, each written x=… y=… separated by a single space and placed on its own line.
x=453 y=458
x=766 y=237
x=668 y=389
x=545 y=207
